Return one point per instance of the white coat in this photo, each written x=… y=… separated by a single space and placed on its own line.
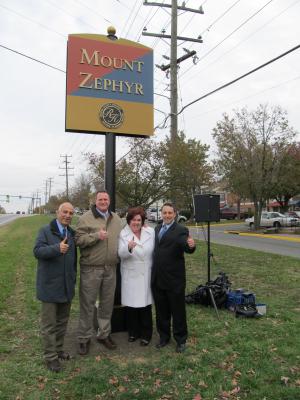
x=136 y=267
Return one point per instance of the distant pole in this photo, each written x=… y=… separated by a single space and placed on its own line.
x=46 y=191
x=50 y=184
x=66 y=167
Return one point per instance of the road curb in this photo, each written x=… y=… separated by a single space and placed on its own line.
x=277 y=237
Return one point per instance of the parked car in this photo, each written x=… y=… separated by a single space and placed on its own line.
x=293 y=214
x=273 y=219
x=153 y=214
x=231 y=213
x=181 y=219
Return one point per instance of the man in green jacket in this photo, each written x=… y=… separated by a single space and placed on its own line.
x=97 y=235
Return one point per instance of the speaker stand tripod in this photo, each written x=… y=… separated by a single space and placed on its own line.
x=209 y=255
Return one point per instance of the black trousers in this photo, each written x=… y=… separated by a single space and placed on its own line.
x=139 y=322
x=169 y=306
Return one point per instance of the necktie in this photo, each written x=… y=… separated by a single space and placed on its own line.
x=64 y=232
x=162 y=231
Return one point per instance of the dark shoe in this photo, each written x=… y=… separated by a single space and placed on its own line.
x=144 y=342
x=54 y=365
x=132 y=339
x=162 y=343
x=108 y=343
x=63 y=355
x=83 y=348
x=180 y=348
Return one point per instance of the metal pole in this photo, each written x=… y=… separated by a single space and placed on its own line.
x=110 y=168
x=67 y=180
x=208 y=251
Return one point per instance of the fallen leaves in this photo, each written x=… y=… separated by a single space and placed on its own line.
x=229 y=394
x=285 y=379
x=157 y=383
x=113 y=381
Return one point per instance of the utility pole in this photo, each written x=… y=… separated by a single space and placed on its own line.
x=32 y=203
x=174 y=61
x=50 y=184
x=173 y=72
x=37 y=201
x=66 y=174
x=46 y=191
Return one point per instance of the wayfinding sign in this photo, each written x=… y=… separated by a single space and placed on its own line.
x=109 y=86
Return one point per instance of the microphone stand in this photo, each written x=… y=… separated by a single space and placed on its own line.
x=209 y=255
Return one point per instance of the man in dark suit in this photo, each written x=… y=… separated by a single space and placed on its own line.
x=56 y=278
x=172 y=240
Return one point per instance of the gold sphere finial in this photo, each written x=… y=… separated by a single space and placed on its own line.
x=111 y=30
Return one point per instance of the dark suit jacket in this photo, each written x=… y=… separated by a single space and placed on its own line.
x=56 y=272
x=168 y=270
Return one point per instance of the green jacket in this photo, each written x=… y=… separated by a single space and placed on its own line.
x=93 y=251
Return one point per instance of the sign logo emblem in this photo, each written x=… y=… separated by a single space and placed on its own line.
x=111 y=115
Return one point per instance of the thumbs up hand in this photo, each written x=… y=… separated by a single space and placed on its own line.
x=191 y=242
x=63 y=246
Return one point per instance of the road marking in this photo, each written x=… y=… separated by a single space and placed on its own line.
x=291 y=239
x=214 y=224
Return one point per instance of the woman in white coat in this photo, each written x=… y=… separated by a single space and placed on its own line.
x=136 y=244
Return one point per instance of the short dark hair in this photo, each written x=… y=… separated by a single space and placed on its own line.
x=132 y=212
x=169 y=204
x=102 y=191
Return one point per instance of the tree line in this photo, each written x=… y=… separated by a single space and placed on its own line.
x=257 y=158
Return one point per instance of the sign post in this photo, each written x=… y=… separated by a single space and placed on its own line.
x=110 y=168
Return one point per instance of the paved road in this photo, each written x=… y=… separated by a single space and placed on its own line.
x=7 y=218
x=282 y=244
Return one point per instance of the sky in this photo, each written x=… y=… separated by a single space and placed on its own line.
x=238 y=36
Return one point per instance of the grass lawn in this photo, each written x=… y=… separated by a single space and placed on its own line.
x=255 y=359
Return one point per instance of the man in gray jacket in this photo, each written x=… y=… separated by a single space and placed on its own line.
x=97 y=235
x=56 y=277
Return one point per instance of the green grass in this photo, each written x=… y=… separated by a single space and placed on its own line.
x=229 y=358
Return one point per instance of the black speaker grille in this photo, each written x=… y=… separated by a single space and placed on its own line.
x=207 y=207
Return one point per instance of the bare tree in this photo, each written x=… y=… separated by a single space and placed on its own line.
x=251 y=152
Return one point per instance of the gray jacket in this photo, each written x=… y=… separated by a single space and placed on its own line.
x=56 y=272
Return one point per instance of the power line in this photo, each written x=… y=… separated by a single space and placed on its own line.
x=66 y=174
x=127 y=21
x=209 y=27
x=33 y=21
x=70 y=15
x=229 y=35
x=248 y=37
x=247 y=97
x=240 y=77
x=145 y=22
x=32 y=58
x=92 y=10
